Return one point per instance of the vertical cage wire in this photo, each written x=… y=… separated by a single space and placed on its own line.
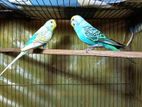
x=67 y=81
x=100 y=76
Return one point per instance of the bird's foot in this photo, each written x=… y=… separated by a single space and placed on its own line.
x=88 y=49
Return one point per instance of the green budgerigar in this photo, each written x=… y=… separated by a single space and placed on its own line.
x=39 y=38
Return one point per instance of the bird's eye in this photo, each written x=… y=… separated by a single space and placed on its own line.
x=51 y=21
x=72 y=19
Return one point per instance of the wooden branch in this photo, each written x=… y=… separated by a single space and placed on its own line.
x=123 y=54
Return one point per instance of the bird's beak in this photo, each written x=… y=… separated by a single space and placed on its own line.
x=72 y=18
x=72 y=24
x=55 y=25
x=72 y=21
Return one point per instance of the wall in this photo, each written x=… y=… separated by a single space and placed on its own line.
x=68 y=81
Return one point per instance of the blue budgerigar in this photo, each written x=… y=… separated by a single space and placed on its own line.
x=39 y=38
x=92 y=36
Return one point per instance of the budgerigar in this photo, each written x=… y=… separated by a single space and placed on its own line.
x=92 y=36
x=39 y=38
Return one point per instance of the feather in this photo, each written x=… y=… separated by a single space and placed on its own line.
x=32 y=46
x=19 y=56
x=112 y=42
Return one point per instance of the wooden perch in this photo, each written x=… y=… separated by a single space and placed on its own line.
x=122 y=54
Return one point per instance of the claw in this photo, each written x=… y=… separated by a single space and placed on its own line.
x=88 y=49
x=93 y=46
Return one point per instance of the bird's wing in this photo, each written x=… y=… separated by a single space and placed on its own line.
x=111 y=42
x=30 y=44
x=92 y=33
x=31 y=39
x=95 y=35
x=37 y=40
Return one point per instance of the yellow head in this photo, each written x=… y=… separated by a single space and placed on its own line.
x=51 y=24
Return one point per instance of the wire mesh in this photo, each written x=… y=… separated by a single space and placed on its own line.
x=61 y=9
x=73 y=81
x=69 y=81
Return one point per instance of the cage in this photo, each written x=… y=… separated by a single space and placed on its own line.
x=64 y=75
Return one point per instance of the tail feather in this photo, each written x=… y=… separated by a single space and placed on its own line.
x=19 y=56
x=112 y=43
